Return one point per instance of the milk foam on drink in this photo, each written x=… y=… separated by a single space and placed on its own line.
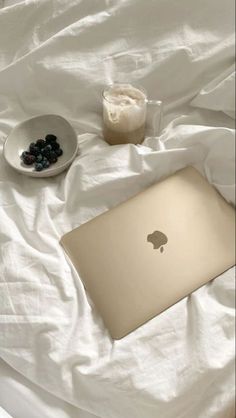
x=124 y=114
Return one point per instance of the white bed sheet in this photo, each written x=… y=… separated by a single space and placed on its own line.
x=21 y=398
x=55 y=57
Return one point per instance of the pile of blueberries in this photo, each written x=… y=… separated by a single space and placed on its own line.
x=42 y=153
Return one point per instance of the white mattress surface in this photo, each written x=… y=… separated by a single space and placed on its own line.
x=55 y=57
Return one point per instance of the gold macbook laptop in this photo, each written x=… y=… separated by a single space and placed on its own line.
x=146 y=254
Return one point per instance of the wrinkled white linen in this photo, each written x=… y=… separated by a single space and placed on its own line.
x=21 y=398
x=180 y=364
x=219 y=94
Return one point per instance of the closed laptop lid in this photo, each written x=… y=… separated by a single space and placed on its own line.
x=144 y=255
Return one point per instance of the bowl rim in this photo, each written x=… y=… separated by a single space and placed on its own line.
x=49 y=170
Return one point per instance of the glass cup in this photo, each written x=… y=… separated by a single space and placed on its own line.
x=125 y=108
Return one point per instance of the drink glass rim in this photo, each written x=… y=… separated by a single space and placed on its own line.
x=118 y=83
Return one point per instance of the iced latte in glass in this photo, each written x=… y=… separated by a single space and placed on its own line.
x=124 y=114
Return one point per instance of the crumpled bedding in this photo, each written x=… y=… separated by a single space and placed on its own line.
x=21 y=398
x=55 y=57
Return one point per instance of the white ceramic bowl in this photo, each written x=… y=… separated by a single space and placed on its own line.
x=35 y=128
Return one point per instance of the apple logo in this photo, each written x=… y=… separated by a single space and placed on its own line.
x=158 y=239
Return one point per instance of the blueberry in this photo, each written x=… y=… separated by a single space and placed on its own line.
x=23 y=154
x=34 y=150
x=52 y=157
x=46 y=152
x=55 y=145
x=48 y=147
x=58 y=152
x=32 y=145
x=39 y=158
x=45 y=163
x=40 y=143
x=50 y=138
x=29 y=159
x=38 y=166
